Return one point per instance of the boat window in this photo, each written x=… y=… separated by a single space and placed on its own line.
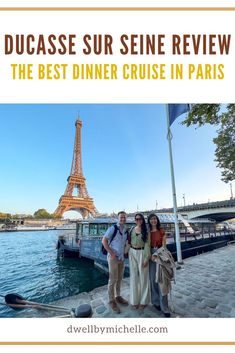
x=93 y=229
x=85 y=230
x=183 y=228
x=169 y=227
x=102 y=229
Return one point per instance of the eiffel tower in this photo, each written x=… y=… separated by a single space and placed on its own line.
x=81 y=202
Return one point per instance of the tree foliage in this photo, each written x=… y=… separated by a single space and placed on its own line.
x=223 y=116
x=42 y=214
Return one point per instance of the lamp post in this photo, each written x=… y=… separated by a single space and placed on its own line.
x=177 y=231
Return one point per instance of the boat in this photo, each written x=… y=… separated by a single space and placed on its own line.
x=197 y=236
x=8 y=229
x=22 y=228
x=68 y=245
x=68 y=226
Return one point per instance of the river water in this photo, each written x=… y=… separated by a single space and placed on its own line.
x=30 y=267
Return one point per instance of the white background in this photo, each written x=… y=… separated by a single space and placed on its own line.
x=117 y=91
x=179 y=330
x=117 y=3
x=117 y=349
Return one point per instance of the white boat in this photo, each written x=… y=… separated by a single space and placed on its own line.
x=197 y=236
x=22 y=228
x=67 y=227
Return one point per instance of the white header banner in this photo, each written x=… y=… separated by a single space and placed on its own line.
x=117 y=56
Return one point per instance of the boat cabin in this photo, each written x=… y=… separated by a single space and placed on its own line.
x=188 y=228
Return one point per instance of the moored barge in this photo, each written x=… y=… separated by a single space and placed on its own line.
x=197 y=236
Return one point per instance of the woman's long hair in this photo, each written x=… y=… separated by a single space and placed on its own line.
x=144 y=230
x=158 y=225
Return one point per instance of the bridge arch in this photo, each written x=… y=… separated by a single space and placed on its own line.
x=219 y=215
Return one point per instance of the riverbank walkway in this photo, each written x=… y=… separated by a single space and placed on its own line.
x=204 y=287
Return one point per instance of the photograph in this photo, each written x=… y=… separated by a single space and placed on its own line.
x=117 y=211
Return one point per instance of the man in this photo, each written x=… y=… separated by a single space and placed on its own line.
x=114 y=242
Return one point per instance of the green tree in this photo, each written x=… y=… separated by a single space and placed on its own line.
x=224 y=119
x=42 y=214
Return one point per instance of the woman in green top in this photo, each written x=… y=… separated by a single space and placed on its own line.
x=139 y=255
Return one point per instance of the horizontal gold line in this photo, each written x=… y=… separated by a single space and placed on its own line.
x=117 y=9
x=117 y=343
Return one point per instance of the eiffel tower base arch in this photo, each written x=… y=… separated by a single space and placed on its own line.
x=83 y=206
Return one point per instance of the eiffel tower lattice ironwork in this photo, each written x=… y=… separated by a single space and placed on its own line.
x=80 y=202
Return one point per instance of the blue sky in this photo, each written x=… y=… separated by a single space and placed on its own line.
x=124 y=151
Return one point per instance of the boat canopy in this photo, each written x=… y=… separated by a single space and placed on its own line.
x=163 y=217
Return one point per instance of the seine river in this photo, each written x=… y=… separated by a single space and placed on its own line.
x=29 y=266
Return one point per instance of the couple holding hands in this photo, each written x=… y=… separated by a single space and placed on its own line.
x=140 y=243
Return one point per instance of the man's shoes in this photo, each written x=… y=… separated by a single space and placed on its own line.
x=167 y=314
x=121 y=300
x=157 y=307
x=113 y=305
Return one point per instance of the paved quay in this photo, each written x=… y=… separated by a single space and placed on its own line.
x=204 y=288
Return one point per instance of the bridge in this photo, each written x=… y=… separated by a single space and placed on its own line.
x=218 y=211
